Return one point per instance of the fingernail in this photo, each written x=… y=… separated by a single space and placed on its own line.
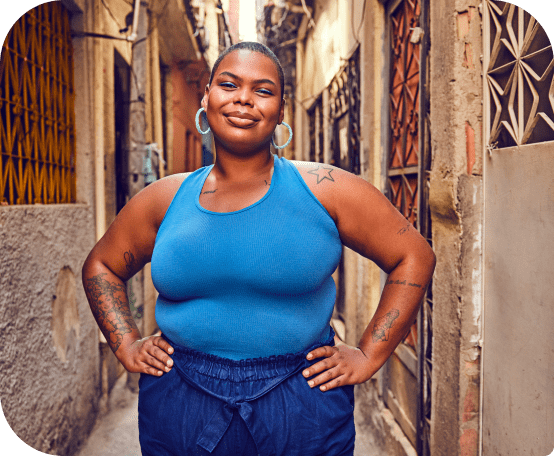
x=170 y=350
x=169 y=362
x=160 y=372
x=311 y=383
x=166 y=369
x=306 y=373
x=310 y=356
x=323 y=388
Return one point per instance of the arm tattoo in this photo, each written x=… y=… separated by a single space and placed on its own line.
x=403 y=282
x=129 y=261
x=322 y=173
x=109 y=305
x=209 y=191
x=382 y=326
x=405 y=229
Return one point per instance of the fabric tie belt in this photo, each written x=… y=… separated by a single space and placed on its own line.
x=237 y=384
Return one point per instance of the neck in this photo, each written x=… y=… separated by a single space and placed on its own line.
x=241 y=168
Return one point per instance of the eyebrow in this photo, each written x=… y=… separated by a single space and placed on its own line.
x=257 y=81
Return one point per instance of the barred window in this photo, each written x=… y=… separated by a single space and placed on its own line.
x=520 y=74
x=315 y=114
x=37 y=127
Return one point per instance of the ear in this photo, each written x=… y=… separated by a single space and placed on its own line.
x=282 y=112
x=204 y=102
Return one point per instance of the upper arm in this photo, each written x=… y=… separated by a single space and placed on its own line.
x=366 y=220
x=128 y=243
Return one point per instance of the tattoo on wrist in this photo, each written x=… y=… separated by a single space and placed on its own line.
x=402 y=282
x=322 y=173
x=382 y=326
x=110 y=309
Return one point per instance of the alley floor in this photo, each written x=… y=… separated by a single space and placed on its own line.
x=116 y=432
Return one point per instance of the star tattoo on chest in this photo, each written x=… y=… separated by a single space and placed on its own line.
x=322 y=173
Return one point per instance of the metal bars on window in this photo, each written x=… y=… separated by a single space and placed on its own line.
x=344 y=113
x=315 y=114
x=37 y=127
x=520 y=77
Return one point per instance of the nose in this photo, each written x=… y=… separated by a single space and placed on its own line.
x=243 y=96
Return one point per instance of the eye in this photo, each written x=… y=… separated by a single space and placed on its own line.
x=265 y=92
x=228 y=85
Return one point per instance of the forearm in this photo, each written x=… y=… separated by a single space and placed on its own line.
x=107 y=297
x=397 y=310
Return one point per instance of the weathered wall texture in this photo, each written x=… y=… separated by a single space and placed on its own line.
x=49 y=372
x=456 y=207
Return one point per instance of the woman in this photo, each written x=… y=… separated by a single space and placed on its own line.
x=242 y=255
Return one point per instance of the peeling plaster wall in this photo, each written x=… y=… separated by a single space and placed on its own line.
x=456 y=208
x=49 y=376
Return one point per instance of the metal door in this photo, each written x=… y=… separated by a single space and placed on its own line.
x=518 y=358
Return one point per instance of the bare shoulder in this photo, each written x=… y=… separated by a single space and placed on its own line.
x=154 y=200
x=328 y=183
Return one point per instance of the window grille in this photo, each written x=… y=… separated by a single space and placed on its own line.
x=344 y=113
x=37 y=127
x=519 y=77
x=316 y=131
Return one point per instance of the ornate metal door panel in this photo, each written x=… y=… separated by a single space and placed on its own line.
x=37 y=130
x=518 y=360
x=407 y=375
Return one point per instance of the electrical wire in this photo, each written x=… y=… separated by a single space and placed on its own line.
x=96 y=35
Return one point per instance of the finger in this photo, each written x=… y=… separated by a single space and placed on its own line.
x=152 y=371
x=318 y=367
x=321 y=352
x=161 y=355
x=155 y=363
x=324 y=377
x=335 y=383
x=163 y=344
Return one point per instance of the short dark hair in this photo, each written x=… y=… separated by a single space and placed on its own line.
x=254 y=47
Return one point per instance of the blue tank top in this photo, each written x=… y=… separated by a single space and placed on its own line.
x=249 y=283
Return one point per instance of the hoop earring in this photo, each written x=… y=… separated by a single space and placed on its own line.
x=198 y=123
x=288 y=141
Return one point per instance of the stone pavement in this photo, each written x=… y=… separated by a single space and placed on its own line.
x=116 y=432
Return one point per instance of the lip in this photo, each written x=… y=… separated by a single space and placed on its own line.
x=241 y=119
x=241 y=115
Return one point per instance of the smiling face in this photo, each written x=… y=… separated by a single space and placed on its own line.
x=244 y=102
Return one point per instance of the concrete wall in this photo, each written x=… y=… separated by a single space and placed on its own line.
x=456 y=207
x=49 y=374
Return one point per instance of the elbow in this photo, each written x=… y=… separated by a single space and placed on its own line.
x=428 y=259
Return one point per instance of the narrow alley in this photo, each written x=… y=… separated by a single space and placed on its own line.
x=446 y=107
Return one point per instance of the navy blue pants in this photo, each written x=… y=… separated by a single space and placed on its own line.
x=208 y=405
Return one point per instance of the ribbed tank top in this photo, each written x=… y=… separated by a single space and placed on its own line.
x=249 y=283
